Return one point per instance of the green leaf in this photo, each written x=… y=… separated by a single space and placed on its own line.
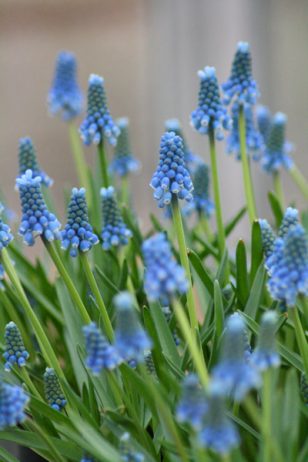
x=291 y=416
x=276 y=208
x=241 y=274
x=256 y=293
x=6 y=456
x=156 y=223
x=256 y=250
x=201 y=271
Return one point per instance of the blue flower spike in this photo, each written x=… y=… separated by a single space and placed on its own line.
x=5 y=233
x=128 y=453
x=171 y=178
x=78 y=235
x=193 y=404
x=277 y=151
x=65 y=97
x=100 y=353
x=123 y=161
x=36 y=218
x=241 y=87
x=131 y=340
x=164 y=277
x=265 y=356
x=290 y=219
x=13 y=400
x=53 y=393
x=115 y=232
x=98 y=123
x=28 y=161
x=202 y=202
x=268 y=237
x=264 y=121
x=191 y=159
x=210 y=113
x=15 y=351
x=235 y=374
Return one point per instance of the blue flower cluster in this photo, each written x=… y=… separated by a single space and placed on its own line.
x=123 y=161
x=65 y=97
x=210 y=114
x=15 y=351
x=28 y=161
x=128 y=454
x=171 y=178
x=163 y=276
x=265 y=355
x=115 y=232
x=290 y=218
x=202 y=202
x=98 y=122
x=13 y=401
x=36 y=219
x=277 y=150
x=78 y=235
x=264 y=120
x=192 y=406
x=191 y=159
x=5 y=233
x=53 y=393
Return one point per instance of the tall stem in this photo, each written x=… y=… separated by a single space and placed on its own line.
x=79 y=159
x=301 y=338
x=103 y=164
x=250 y=199
x=299 y=180
x=178 y=225
x=267 y=416
x=278 y=188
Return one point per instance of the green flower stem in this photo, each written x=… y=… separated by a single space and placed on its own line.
x=192 y=345
x=103 y=164
x=218 y=209
x=79 y=158
x=42 y=338
x=250 y=199
x=51 y=249
x=278 y=189
x=267 y=415
x=304 y=305
x=299 y=180
x=178 y=225
x=26 y=378
x=124 y=191
x=300 y=337
x=205 y=226
x=98 y=297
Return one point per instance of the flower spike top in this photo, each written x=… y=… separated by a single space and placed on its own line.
x=36 y=219
x=210 y=114
x=192 y=406
x=78 y=234
x=28 y=161
x=241 y=86
x=65 y=97
x=268 y=237
x=171 y=178
x=5 y=232
x=115 y=232
x=13 y=401
x=202 y=202
x=98 y=122
x=131 y=340
x=53 y=393
x=191 y=159
x=164 y=277
x=288 y=266
x=264 y=120
x=123 y=161
x=266 y=355
x=277 y=150
x=289 y=220
x=15 y=351
x=233 y=371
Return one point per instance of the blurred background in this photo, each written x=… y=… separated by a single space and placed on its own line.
x=149 y=52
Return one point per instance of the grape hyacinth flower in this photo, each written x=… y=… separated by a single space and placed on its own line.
x=233 y=372
x=268 y=237
x=36 y=219
x=131 y=340
x=202 y=202
x=13 y=401
x=171 y=178
x=210 y=113
x=53 y=393
x=115 y=232
x=241 y=86
x=100 y=353
x=277 y=150
x=5 y=233
x=164 y=277
x=98 y=122
x=288 y=266
x=128 y=454
x=28 y=161
x=15 y=351
x=264 y=120
x=191 y=159
x=289 y=220
x=65 y=97
x=123 y=161
x=193 y=404
x=78 y=235
x=265 y=355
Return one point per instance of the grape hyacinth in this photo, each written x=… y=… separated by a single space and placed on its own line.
x=202 y=202
x=65 y=97
x=233 y=372
x=123 y=161
x=193 y=405
x=210 y=113
x=36 y=219
x=128 y=454
x=265 y=355
x=164 y=277
x=78 y=235
x=171 y=178
x=100 y=353
x=131 y=340
x=241 y=86
x=53 y=393
x=15 y=351
x=115 y=232
x=289 y=220
x=13 y=401
x=268 y=237
x=5 y=233
x=277 y=150
x=264 y=120
x=28 y=161
x=191 y=159
x=98 y=122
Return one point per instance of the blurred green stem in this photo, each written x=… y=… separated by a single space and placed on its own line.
x=103 y=164
x=80 y=162
x=300 y=337
x=278 y=189
x=267 y=415
x=299 y=180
